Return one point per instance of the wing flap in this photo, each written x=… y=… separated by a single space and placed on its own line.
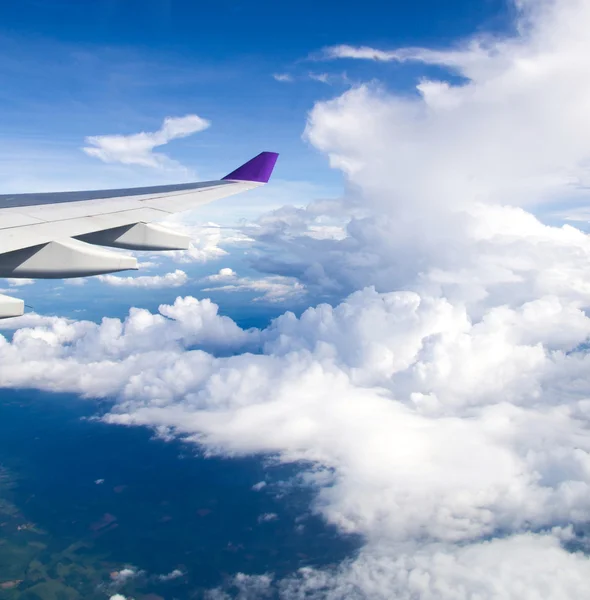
x=15 y=238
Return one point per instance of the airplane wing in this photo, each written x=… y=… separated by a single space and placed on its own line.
x=64 y=234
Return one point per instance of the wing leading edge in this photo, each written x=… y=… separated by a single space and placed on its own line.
x=62 y=235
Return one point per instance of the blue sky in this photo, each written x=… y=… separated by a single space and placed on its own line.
x=71 y=69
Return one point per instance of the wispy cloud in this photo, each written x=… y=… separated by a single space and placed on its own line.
x=321 y=77
x=283 y=77
x=137 y=149
x=175 y=279
x=14 y=283
x=327 y=78
x=272 y=289
x=356 y=52
x=266 y=517
x=475 y=50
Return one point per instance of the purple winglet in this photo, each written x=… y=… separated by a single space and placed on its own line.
x=258 y=168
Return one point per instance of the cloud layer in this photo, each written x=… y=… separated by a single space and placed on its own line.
x=137 y=149
x=176 y=279
x=271 y=289
x=430 y=433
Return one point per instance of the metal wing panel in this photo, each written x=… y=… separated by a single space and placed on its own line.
x=41 y=198
x=182 y=202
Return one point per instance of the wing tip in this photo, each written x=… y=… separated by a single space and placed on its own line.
x=257 y=169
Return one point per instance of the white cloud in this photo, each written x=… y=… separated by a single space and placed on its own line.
x=249 y=587
x=458 y=59
x=77 y=282
x=18 y=282
x=137 y=149
x=504 y=137
x=124 y=575
x=31 y=319
x=397 y=394
x=321 y=77
x=233 y=211
x=15 y=283
x=175 y=574
x=206 y=241
x=520 y=566
x=176 y=279
x=329 y=78
x=283 y=77
x=119 y=579
x=357 y=52
x=225 y=274
x=272 y=289
x=146 y=265
x=267 y=517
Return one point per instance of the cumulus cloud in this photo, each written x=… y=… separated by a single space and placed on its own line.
x=119 y=579
x=137 y=149
x=272 y=289
x=176 y=279
x=124 y=575
x=17 y=282
x=458 y=133
x=429 y=426
x=443 y=402
x=207 y=241
x=499 y=568
x=438 y=179
x=225 y=274
x=175 y=574
x=30 y=319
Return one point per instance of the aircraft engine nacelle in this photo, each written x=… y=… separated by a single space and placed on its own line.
x=140 y=236
x=11 y=307
x=63 y=259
